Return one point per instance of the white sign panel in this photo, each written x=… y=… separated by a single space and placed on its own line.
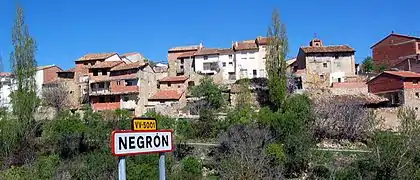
x=141 y=142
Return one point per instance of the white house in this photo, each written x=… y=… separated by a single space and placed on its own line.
x=45 y=74
x=8 y=84
x=250 y=56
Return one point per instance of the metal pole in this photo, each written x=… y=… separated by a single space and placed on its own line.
x=121 y=168
x=162 y=166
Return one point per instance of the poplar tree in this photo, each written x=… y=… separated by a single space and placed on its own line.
x=277 y=49
x=22 y=58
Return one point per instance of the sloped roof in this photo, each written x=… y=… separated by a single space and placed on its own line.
x=395 y=34
x=69 y=70
x=206 y=51
x=106 y=64
x=327 y=49
x=47 y=66
x=174 y=79
x=127 y=66
x=167 y=95
x=262 y=40
x=404 y=74
x=5 y=74
x=185 y=48
x=95 y=56
x=245 y=45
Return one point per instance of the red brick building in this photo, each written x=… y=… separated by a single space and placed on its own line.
x=400 y=87
x=394 y=49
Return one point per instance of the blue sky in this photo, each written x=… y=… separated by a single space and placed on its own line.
x=65 y=30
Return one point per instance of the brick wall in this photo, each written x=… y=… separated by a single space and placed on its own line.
x=412 y=83
x=98 y=106
x=50 y=74
x=388 y=53
x=385 y=83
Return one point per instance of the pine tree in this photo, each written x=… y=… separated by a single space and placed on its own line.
x=277 y=49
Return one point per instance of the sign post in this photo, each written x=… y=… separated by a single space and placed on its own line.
x=144 y=138
x=121 y=168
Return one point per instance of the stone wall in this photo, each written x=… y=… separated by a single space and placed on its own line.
x=348 y=91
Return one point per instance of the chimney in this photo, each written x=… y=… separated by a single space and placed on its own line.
x=201 y=45
x=236 y=43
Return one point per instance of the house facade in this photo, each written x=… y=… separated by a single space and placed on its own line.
x=402 y=88
x=394 y=49
x=8 y=85
x=250 y=56
x=45 y=75
x=325 y=64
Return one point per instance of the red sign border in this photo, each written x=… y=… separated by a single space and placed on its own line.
x=148 y=131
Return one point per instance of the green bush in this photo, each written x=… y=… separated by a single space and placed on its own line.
x=184 y=129
x=191 y=168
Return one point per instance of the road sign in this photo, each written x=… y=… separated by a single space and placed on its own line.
x=144 y=124
x=141 y=142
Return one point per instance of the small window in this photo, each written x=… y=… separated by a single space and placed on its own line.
x=416 y=108
x=336 y=57
x=86 y=63
x=254 y=72
x=179 y=86
x=95 y=73
x=206 y=57
x=325 y=65
x=112 y=99
x=93 y=63
x=182 y=61
x=265 y=57
x=162 y=102
x=132 y=82
x=104 y=72
x=101 y=85
x=417 y=95
x=158 y=85
x=71 y=92
x=339 y=80
x=169 y=84
x=230 y=63
x=191 y=84
x=101 y=99
x=224 y=64
x=321 y=77
x=118 y=83
x=125 y=98
x=230 y=56
x=415 y=82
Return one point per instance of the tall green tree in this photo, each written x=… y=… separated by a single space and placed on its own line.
x=368 y=65
x=277 y=50
x=24 y=99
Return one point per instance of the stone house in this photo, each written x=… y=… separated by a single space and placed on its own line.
x=400 y=87
x=394 y=49
x=324 y=64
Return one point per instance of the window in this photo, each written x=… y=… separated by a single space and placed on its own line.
x=262 y=74
x=118 y=83
x=182 y=61
x=415 y=82
x=417 y=95
x=321 y=77
x=169 y=84
x=125 y=98
x=162 y=102
x=230 y=63
x=131 y=82
x=206 y=57
x=101 y=99
x=191 y=84
x=210 y=66
x=265 y=57
x=104 y=73
x=254 y=73
x=325 y=65
x=158 y=85
x=95 y=73
x=93 y=63
x=179 y=86
x=336 y=56
x=224 y=64
x=71 y=92
x=112 y=99
x=101 y=85
x=232 y=76
x=339 y=80
x=230 y=56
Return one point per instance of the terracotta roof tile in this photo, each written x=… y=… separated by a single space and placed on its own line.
x=185 y=48
x=96 y=56
x=47 y=66
x=7 y=74
x=132 y=65
x=167 y=95
x=174 y=79
x=187 y=54
x=206 y=51
x=399 y=35
x=225 y=51
x=349 y=85
x=69 y=70
x=262 y=40
x=130 y=54
x=403 y=74
x=245 y=45
x=106 y=64
x=327 y=49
